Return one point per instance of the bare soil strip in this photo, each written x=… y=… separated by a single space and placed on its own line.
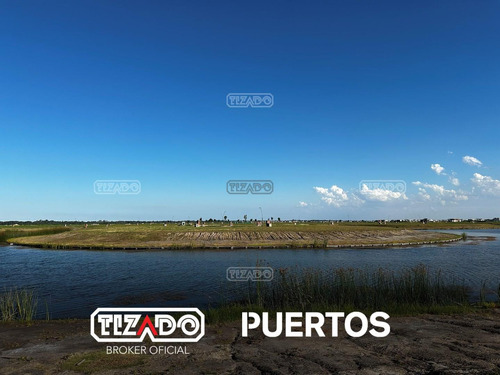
x=101 y=239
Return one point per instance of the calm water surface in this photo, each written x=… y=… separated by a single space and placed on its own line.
x=76 y=282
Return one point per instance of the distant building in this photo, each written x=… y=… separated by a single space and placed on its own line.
x=454 y=220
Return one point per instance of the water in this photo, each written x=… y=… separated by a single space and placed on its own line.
x=76 y=282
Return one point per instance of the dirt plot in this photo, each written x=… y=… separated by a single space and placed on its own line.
x=430 y=344
x=117 y=239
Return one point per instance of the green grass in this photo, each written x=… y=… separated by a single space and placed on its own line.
x=408 y=292
x=18 y=305
x=27 y=231
x=311 y=226
x=443 y=225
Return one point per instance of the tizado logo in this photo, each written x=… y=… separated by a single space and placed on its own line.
x=160 y=324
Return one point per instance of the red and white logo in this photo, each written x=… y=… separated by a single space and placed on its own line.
x=161 y=324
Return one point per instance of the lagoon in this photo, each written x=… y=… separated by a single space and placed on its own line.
x=73 y=283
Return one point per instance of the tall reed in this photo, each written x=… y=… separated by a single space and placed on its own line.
x=347 y=288
x=18 y=305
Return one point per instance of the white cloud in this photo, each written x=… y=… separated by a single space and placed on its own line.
x=486 y=184
x=335 y=196
x=380 y=195
x=441 y=192
x=449 y=199
x=437 y=168
x=423 y=194
x=471 y=160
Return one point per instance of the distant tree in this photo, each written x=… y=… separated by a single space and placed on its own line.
x=225 y=218
x=279 y=219
x=245 y=217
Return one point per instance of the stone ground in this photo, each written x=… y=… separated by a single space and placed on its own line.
x=428 y=344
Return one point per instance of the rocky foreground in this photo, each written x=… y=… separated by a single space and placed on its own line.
x=430 y=344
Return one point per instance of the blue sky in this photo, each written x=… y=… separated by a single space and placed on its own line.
x=105 y=90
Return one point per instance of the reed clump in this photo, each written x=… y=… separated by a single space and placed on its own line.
x=18 y=305
x=345 y=289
